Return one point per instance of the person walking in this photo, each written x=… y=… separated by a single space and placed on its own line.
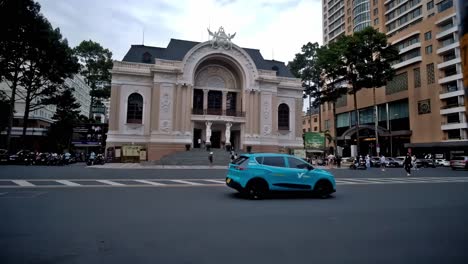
x=210 y=158
x=407 y=164
x=413 y=162
x=367 y=161
x=382 y=162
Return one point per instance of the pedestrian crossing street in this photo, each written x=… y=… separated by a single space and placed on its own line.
x=77 y=183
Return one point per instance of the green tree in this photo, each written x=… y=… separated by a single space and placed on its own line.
x=367 y=57
x=332 y=72
x=45 y=69
x=66 y=115
x=96 y=63
x=305 y=67
x=34 y=59
x=18 y=30
x=4 y=108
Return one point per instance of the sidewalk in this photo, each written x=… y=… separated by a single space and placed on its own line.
x=138 y=166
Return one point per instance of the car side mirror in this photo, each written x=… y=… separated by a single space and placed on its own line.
x=309 y=167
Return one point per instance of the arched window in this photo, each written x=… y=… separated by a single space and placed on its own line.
x=276 y=69
x=135 y=109
x=146 y=58
x=283 y=117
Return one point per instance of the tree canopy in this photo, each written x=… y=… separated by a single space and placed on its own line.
x=349 y=64
x=66 y=115
x=96 y=63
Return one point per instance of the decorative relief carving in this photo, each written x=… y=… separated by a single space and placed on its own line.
x=266 y=110
x=266 y=130
x=205 y=49
x=165 y=126
x=215 y=76
x=215 y=81
x=165 y=103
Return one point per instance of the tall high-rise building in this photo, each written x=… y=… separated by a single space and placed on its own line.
x=422 y=109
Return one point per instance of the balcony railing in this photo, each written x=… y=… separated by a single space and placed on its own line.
x=445 y=27
x=220 y=112
x=451 y=106
x=449 y=89
x=214 y=111
x=450 y=123
x=449 y=57
x=446 y=42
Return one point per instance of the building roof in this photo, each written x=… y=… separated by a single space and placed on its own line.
x=177 y=49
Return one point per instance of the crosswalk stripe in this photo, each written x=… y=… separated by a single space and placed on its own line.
x=151 y=182
x=68 y=183
x=23 y=183
x=111 y=183
x=215 y=181
x=187 y=182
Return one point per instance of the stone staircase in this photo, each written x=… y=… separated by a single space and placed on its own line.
x=195 y=157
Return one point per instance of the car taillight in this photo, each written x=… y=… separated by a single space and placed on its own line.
x=241 y=168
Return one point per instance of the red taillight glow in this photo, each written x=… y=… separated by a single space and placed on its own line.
x=240 y=168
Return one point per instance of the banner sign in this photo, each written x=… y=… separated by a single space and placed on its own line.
x=131 y=151
x=314 y=140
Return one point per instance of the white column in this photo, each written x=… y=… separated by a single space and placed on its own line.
x=205 y=100
x=208 y=132
x=223 y=104
x=227 y=134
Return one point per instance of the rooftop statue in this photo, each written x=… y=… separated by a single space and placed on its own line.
x=221 y=39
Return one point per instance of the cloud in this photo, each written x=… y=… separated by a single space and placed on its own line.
x=277 y=27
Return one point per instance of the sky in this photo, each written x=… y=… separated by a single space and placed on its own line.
x=278 y=28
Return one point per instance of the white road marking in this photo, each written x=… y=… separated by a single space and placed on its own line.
x=68 y=183
x=111 y=183
x=187 y=182
x=215 y=181
x=151 y=182
x=23 y=183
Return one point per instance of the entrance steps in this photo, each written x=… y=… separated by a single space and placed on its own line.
x=195 y=157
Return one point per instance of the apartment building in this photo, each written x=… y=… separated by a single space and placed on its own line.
x=310 y=120
x=422 y=109
x=40 y=119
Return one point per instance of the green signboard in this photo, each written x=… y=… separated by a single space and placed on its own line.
x=314 y=140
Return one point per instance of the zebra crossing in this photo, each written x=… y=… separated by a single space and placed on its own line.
x=83 y=183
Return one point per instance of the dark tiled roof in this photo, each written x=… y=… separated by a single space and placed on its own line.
x=176 y=50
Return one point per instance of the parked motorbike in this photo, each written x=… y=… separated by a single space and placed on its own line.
x=361 y=165
x=99 y=160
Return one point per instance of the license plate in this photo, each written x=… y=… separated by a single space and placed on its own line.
x=228 y=180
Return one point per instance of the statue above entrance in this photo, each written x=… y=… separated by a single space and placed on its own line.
x=221 y=39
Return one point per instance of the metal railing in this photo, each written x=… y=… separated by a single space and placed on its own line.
x=216 y=111
x=449 y=89
x=451 y=106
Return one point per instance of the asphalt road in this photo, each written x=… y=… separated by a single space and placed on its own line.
x=80 y=171
x=369 y=223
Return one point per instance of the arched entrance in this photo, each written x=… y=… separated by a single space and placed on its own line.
x=217 y=103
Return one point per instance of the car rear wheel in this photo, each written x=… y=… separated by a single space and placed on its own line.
x=256 y=189
x=323 y=189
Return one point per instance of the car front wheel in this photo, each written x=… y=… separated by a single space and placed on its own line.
x=323 y=189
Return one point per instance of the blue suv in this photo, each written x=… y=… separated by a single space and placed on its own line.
x=257 y=174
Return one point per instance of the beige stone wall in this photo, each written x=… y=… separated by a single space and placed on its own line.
x=114 y=106
x=155 y=92
x=158 y=150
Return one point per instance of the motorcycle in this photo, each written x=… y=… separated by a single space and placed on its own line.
x=361 y=165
